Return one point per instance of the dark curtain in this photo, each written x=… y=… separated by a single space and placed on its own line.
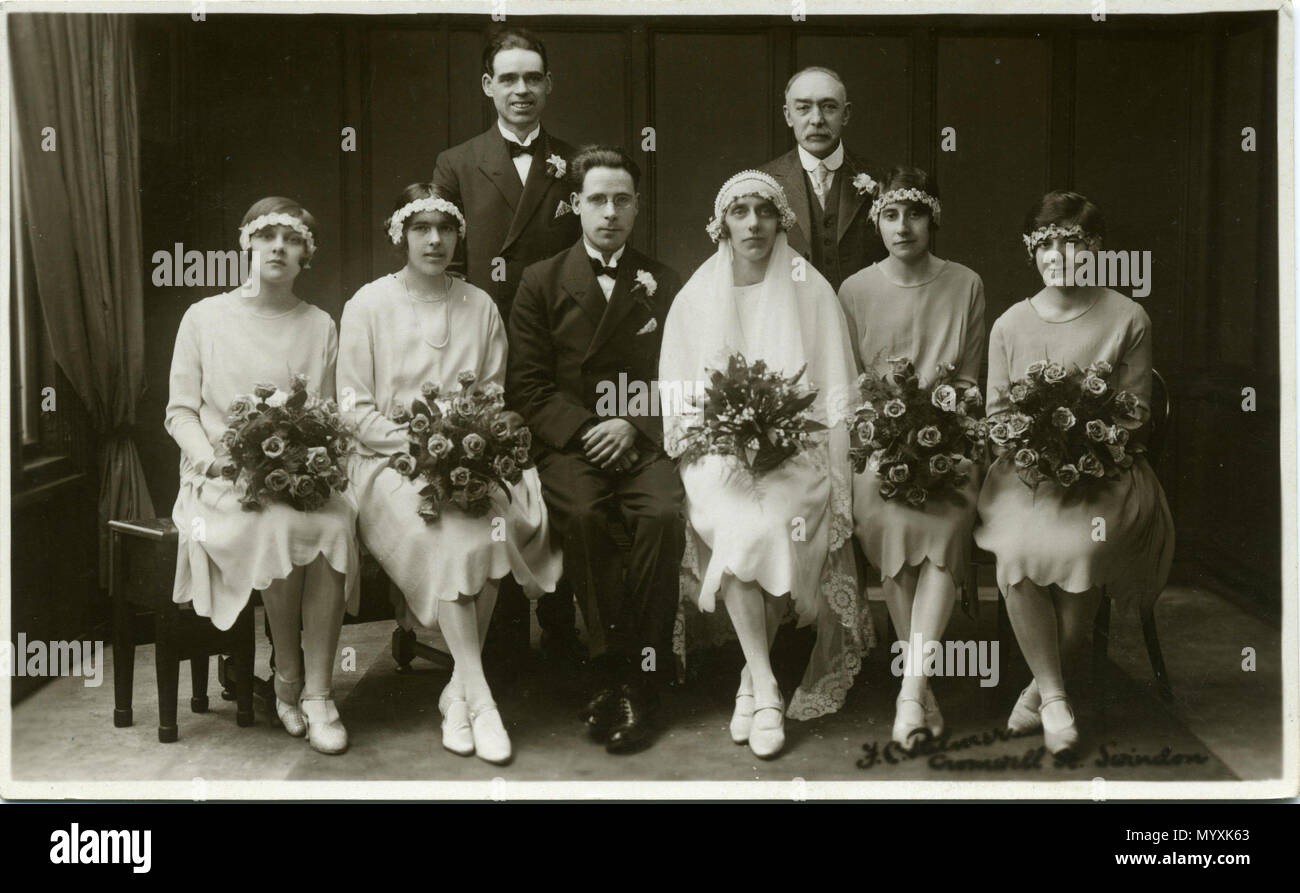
x=75 y=73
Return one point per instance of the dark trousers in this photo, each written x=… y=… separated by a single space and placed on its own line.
x=508 y=632
x=624 y=614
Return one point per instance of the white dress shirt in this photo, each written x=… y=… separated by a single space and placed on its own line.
x=832 y=161
x=606 y=282
x=523 y=163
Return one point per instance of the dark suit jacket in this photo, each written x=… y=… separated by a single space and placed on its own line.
x=859 y=242
x=565 y=340
x=502 y=217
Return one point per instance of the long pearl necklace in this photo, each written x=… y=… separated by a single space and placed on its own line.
x=442 y=302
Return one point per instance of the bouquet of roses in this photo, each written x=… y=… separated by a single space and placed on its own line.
x=1064 y=426
x=286 y=447
x=913 y=437
x=755 y=414
x=460 y=446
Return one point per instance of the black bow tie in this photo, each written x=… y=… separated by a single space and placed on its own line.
x=601 y=270
x=516 y=150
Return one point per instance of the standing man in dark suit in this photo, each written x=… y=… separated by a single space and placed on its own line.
x=584 y=357
x=824 y=182
x=511 y=184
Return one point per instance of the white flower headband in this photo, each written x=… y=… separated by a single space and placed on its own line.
x=1073 y=232
x=432 y=203
x=904 y=195
x=247 y=231
x=747 y=183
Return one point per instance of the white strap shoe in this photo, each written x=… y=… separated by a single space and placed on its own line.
x=457 y=736
x=1024 y=717
x=767 y=732
x=325 y=732
x=742 y=718
x=491 y=742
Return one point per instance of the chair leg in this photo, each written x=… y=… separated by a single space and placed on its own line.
x=199 y=682
x=242 y=654
x=403 y=648
x=1100 y=637
x=1153 y=652
x=123 y=637
x=167 y=666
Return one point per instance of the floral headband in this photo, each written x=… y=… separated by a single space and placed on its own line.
x=1073 y=232
x=432 y=203
x=749 y=183
x=247 y=231
x=903 y=195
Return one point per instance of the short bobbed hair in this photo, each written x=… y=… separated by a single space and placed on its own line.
x=278 y=204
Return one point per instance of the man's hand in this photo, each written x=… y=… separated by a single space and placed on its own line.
x=610 y=443
x=215 y=468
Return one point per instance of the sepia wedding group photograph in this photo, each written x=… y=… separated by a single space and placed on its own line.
x=771 y=399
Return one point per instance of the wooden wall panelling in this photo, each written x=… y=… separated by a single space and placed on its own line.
x=710 y=126
x=995 y=92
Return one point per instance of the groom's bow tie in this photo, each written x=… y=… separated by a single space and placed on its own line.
x=516 y=150
x=601 y=270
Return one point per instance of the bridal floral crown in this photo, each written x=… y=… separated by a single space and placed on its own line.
x=1072 y=232
x=904 y=195
x=249 y=229
x=749 y=183
x=420 y=205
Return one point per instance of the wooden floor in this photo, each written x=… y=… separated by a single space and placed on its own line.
x=1224 y=725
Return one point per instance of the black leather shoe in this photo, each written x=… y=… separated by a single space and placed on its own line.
x=600 y=712
x=633 y=724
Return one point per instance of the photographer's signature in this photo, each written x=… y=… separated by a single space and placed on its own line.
x=945 y=754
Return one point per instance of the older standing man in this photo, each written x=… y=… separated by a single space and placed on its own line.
x=823 y=180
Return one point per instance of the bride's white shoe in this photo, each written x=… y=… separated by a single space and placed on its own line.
x=325 y=732
x=933 y=718
x=909 y=719
x=767 y=731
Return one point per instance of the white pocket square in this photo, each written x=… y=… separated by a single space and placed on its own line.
x=649 y=327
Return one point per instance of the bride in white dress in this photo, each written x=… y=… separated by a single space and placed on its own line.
x=763 y=546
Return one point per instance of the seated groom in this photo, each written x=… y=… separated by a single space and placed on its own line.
x=585 y=330
x=823 y=181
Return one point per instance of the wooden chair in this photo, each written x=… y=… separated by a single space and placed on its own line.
x=1162 y=410
x=142 y=572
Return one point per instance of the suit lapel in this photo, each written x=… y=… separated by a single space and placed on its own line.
x=580 y=283
x=620 y=300
x=790 y=173
x=539 y=181
x=494 y=161
x=850 y=199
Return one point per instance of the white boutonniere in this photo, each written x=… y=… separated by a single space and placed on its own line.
x=647 y=282
x=557 y=167
x=864 y=184
x=563 y=208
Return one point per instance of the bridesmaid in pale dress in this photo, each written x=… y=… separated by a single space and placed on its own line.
x=931 y=311
x=417 y=326
x=780 y=543
x=1051 y=563
x=304 y=563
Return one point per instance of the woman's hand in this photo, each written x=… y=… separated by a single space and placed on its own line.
x=215 y=467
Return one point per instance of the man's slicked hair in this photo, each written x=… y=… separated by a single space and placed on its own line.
x=815 y=69
x=512 y=39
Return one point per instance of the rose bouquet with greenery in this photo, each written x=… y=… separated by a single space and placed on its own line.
x=914 y=438
x=285 y=447
x=461 y=446
x=755 y=414
x=1066 y=426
